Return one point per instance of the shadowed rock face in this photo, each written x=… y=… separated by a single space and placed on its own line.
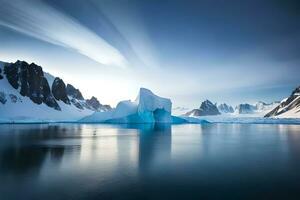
x=31 y=82
x=73 y=92
x=224 y=108
x=106 y=107
x=1 y=77
x=2 y=97
x=245 y=108
x=94 y=104
x=206 y=108
x=59 y=90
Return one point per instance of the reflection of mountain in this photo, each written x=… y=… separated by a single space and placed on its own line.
x=24 y=150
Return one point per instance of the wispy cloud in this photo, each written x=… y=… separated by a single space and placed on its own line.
x=39 y=20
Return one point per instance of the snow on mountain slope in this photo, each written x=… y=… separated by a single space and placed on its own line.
x=27 y=96
x=288 y=108
x=258 y=109
x=245 y=108
x=265 y=107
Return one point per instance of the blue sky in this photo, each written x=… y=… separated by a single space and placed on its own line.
x=227 y=51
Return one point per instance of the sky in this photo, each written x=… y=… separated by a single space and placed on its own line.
x=223 y=50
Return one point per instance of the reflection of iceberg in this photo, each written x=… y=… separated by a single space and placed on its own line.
x=147 y=108
x=154 y=154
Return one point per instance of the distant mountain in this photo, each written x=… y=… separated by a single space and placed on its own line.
x=28 y=93
x=206 y=108
x=289 y=107
x=257 y=108
x=94 y=104
x=224 y=108
x=245 y=108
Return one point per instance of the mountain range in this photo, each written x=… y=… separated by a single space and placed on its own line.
x=28 y=93
x=207 y=108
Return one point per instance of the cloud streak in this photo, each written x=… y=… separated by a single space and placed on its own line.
x=39 y=20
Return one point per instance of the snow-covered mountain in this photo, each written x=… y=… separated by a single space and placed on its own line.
x=224 y=108
x=260 y=108
x=288 y=108
x=27 y=93
x=265 y=107
x=245 y=108
x=206 y=108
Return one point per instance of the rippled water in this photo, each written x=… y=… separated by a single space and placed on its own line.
x=213 y=161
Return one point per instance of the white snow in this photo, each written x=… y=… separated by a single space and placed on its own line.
x=49 y=78
x=293 y=113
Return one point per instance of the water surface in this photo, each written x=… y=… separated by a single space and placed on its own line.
x=212 y=161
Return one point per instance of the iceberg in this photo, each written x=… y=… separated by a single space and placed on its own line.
x=147 y=108
x=152 y=108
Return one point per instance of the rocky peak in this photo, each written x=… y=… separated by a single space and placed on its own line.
x=106 y=107
x=208 y=108
x=31 y=81
x=93 y=103
x=1 y=77
x=296 y=92
x=224 y=108
x=245 y=108
x=73 y=92
x=59 y=90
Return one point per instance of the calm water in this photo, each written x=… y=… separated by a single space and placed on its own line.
x=215 y=161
